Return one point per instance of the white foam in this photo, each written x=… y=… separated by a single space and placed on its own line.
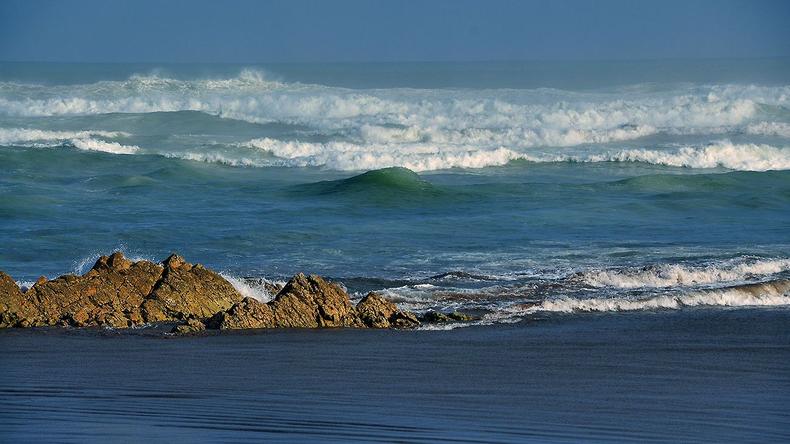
x=10 y=136
x=673 y=275
x=490 y=118
x=83 y=140
x=352 y=157
x=743 y=157
x=781 y=129
x=766 y=294
x=249 y=290
x=89 y=144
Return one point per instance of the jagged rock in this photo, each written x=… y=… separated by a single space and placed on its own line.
x=190 y=326
x=188 y=290
x=377 y=312
x=120 y=293
x=110 y=294
x=249 y=313
x=13 y=308
x=310 y=302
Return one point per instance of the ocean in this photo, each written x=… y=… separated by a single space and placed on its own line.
x=621 y=231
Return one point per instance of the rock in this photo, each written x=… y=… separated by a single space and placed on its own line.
x=117 y=292
x=435 y=317
x=311 y=302
x=190 y=326
x=188 y=290
x=377 y=312
x=13 y=307
x=461 y=317
x=249 y=313
x=110 y=294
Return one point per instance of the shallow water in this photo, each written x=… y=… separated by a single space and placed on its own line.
x=691 y=376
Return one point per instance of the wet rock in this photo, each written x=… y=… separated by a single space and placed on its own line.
x=377 y=312
x=435 y=317
x=188 y=327
x=461 y=317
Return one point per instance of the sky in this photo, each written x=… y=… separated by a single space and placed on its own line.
x=388 y=30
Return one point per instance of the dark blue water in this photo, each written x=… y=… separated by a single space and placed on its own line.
x=690 y=376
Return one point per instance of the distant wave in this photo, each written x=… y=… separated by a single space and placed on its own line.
x=488 y=118
x=429 y=156
x=775 y=293
x=83 y=140
x=743 y=157
x=673 y=275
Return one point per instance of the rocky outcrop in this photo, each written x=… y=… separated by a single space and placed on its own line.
x=312 y=302
x=436 y=317
x=14 y=309
x=189 y=327
x=120 y=293
x=377 y=312
x=188 y=290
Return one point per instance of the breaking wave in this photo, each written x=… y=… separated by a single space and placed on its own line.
x=675 y=275
x=775 y=293
x=428 y=156
x=83 y=140
x=490 y=118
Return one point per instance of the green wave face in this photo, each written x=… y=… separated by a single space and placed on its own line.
x=382 y=185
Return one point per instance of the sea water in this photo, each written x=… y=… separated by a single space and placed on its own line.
x=513 y=191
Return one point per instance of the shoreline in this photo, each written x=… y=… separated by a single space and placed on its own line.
x=119 y=293
x=682 y=376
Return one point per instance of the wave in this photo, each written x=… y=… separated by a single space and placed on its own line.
x=775 y=293
x=428 y=156
x=780 y=129
x=724 y=154
x=249 y=289
x=677 y=275
x=83 y=140
x=419 y=157
x=395 y=180
x=489 y=118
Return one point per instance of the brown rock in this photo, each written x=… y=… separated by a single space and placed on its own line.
x=188 y=290
x=13 y=307
x=377 y=312
x=310 y=302
x=249 y=313
x=120 y=293
x=190 y=326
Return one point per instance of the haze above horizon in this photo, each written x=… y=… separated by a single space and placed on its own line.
x=389 y=31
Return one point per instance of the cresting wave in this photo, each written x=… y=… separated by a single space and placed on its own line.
x=428 y=156
x=84 y=140
x=774 y=293
x=489 y=118
x=678 y=275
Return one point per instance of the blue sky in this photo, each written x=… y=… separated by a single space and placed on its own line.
x=378 y=30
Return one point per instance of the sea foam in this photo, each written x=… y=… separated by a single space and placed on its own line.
x=673 y=275
x=764 y=294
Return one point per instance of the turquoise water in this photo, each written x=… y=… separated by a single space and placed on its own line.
x=506 y=189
